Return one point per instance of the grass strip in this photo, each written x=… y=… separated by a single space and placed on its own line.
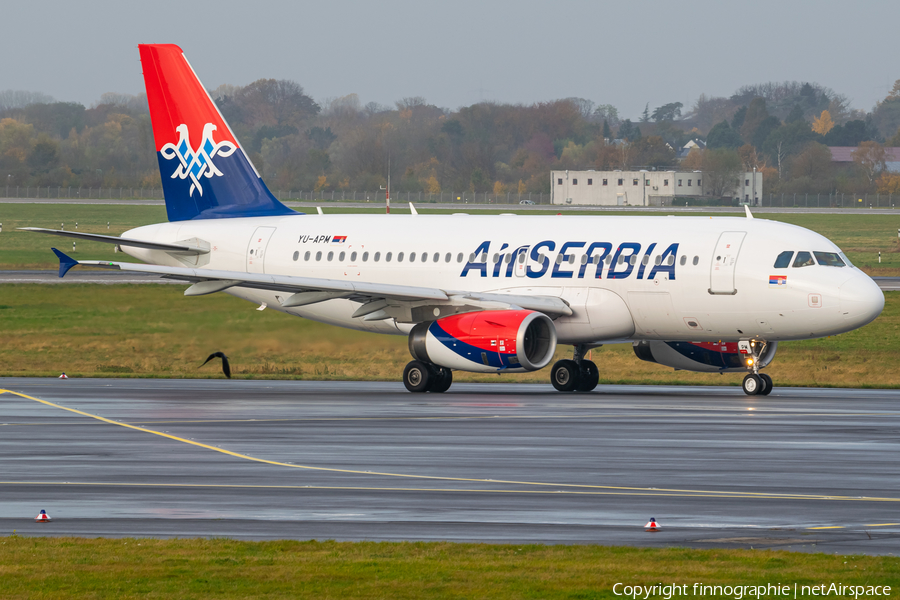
x=200 y=568
x=861 y=236
x=154 y=331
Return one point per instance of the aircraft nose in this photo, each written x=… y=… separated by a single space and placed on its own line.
x=861 y=300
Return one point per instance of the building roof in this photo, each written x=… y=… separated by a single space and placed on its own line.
x=845 y=154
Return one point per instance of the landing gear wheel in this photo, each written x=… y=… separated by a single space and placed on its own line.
x=565 y=376
x=753 y=384
x=767 y=381
x=441 y=380
x=417 y=376
x=589 y=376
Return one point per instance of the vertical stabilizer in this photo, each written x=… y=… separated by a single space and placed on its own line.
x=205 y=173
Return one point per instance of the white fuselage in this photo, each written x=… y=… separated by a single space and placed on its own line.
x=716 y=279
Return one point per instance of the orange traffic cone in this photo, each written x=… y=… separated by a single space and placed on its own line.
x=43 y=517
x=63 y=376
x=652 y=525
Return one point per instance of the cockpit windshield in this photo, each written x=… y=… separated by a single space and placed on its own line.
x=829 y=259
x=804 y=259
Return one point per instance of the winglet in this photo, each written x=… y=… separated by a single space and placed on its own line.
x=747 y=209
x=65 y=262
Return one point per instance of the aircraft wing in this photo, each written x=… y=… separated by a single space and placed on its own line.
x=409 y=304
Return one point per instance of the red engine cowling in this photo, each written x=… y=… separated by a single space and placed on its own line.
x=486 y=342
x=706 y=357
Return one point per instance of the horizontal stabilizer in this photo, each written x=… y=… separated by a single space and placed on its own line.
x=111 y=239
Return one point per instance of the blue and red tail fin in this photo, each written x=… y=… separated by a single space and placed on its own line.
x=205 y=173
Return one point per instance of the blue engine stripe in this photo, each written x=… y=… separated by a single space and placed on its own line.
x=472 y=353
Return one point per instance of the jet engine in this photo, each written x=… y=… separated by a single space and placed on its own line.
x=486 y=342
x=707 y=357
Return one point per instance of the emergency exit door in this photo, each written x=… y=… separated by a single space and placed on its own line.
x=724 y=260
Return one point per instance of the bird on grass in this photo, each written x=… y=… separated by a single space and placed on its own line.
x=226 y=368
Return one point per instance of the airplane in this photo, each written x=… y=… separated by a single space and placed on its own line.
x=488 y=294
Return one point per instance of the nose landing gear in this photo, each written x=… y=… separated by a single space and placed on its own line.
x=578 y=375
x=755 y=383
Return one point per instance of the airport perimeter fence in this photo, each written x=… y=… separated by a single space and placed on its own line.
x=792 y=200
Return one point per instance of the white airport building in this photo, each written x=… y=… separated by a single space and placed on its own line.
x=643 y=188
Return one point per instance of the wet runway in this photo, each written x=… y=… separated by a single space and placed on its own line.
x=802 y=469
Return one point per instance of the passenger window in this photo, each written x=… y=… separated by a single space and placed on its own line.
x=559 y=259
x=828 y=259
x=657 y=260
x=387 y=257
x=645 y=260
x=341 y=256
x=353 y=257
x=330 y=256
x=459 y=257
x=522 y=258
x=437 y=257
x=633 y=259
x=784 y=259
x=804 y=259
x=365 y=257
x=377 y=256
x=472 y=257
x=412 y=256
x=696 y=260
x=609 y=259
x=671 y=260
x=683 y=260
x=296 y=256
x=319 y=255
x=507 y=258
x=447 y=257
x=424 y=257
x=306 y=256
x=400 y=256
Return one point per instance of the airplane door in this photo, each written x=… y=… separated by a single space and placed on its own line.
x=256 y=249
x=724 y=259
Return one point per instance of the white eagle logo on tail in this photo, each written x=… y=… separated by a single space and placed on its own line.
x=196 y=163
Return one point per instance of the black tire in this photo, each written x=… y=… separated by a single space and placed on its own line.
x=589 y=376
x=417 y=377
x=753 y=384
x=565 y=376
x=768 y=383
x=441 y=381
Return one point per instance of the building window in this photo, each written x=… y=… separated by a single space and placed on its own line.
x=679 y=183
x=621 y=182
x=634 y=182
x=665 y=183
x=574 y=182
x=605 y=181
x=559 y=181
x=699 y=182
x=590 y=182
x=689 y=182
x=746 y=182
x=646 y=182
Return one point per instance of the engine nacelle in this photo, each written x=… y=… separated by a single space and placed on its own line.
x=706 y=357
x=486 y=342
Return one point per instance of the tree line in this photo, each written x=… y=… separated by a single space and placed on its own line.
x=781 y=129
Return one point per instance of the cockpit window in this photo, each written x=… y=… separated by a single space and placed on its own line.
x=784 y=259
x=829 y=259
x=845 y=259
x=804 y=259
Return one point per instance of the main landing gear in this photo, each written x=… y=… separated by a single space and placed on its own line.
x=420 y=377
x=577 y=375
x=756 y=383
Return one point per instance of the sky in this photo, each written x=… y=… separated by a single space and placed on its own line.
x=457 y=53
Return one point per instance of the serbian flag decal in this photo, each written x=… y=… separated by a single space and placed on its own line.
x=777 y=280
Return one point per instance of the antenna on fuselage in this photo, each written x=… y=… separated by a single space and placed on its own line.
x=747 y=209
